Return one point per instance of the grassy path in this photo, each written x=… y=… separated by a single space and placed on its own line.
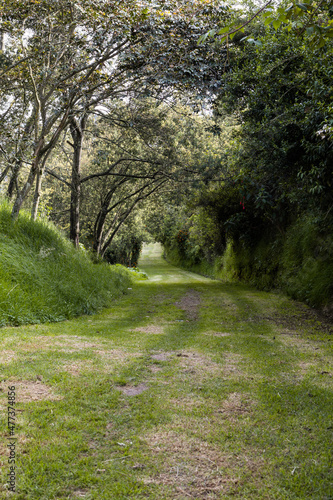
x=185 y=388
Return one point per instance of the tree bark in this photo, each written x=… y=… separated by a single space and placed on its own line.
x=21 y=195
x=13 y=179
x=38 y=187
x=77 y=128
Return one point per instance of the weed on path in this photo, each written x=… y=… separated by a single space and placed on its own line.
x=185 y=388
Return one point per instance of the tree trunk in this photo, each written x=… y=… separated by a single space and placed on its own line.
x=35 y=203
x=99 y=227
x=38 y=188
x=23 y=193
x=13 y=184
x=13 y=179
x=101 y=218
x=77 y=129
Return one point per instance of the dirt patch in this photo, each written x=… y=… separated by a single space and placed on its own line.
x=190 y=303
x=161 y=356
x=110 y=430
x=202 y=366
x=236 y=404
x=155 y=369
x=198 y=364
x=306 y=366
x=321 y=372
x=61 y=342
x=118 y=354
x=195 y=468
x=151 y=329
x=21 y=442
x=80 y=493
x=313 y=320
x=7 y=357
x=188 y=403
x=77 y=367
x=27 y=391
x=292 y=339
x=133 y=390
x=160 y=298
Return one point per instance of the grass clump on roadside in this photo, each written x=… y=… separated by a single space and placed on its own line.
x=43 y=278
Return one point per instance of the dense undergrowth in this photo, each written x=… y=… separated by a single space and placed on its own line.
x=299 y=262
x=43 y=278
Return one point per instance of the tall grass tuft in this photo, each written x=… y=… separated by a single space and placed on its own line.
x=43 y=278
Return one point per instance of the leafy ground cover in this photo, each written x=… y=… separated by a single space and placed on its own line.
x=184 y=388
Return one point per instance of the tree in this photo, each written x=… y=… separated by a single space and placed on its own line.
x=90 y=55
x=63 y=61
x=136 y=150
x=310 y=17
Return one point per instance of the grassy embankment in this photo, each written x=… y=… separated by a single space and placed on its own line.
x=299 y=262
x=185 y=388
x=43 y=278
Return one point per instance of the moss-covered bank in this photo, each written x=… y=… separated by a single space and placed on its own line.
x=299 y=262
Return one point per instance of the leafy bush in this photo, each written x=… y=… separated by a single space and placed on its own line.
x=124 y=250
x=307 y=260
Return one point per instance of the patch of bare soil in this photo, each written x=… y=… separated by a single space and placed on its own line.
x=198 y=364
x=151 y=329
x=7 y=356
x=314 y=320
x=27 y=391
x=321 y=372
x=194 y=468
x=161 y=356
x=236 y=404
x=80 y=493
x=188 y=403
x=190 y=303
x=155 y=369
x=76 y=367
x=306 y=366
x=291 y=338
x=117 y=354
x=66 y=343
x=21 y=441
x=133 y=390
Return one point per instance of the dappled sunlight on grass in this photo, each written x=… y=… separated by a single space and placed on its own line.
x=185 y=387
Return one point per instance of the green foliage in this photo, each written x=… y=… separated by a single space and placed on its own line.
x=274 y=205
x=307 y=260
x=310 y=18
x=43 y=278
x=300 y=263
x=125 y=249
x=126 y=246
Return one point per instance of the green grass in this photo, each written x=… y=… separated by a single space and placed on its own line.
x=234 y=396
x=43 y=278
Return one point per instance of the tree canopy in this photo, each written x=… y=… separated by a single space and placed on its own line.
x=220 y=114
